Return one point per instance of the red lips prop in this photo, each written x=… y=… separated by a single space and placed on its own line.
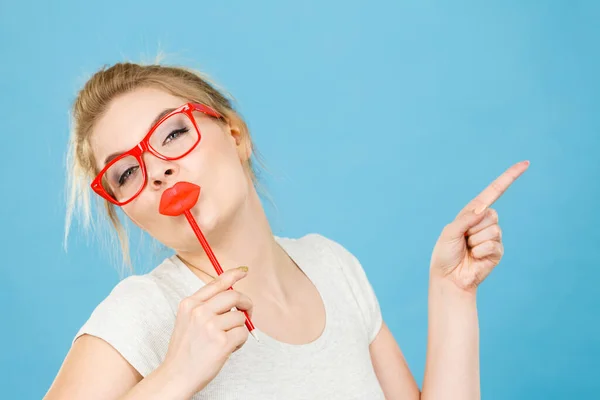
x=180 y=199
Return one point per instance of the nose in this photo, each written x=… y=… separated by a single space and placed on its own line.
x=161 y=173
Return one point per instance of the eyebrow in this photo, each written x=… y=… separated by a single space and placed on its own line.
x=154 y=122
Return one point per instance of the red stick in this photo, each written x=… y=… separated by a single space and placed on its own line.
x=179 y=199
x=214 y=261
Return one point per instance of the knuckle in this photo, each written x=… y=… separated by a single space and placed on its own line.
x=470 y=241
x=240 y=317
x=244 y=335
x=220 y=339
x=447 y=228
x=244 y=302
x=227 y=298
x=239 y=298
x=496 y=186
x=498 y=232
x=218 y=284
x=225 y=283
x=493 y=215
x=199 y=313
x=210 y=326
x=235 y=296
x=250 y=302
x=186 y=305
x=239 y=335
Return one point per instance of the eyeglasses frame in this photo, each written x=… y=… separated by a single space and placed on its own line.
x=144 y=146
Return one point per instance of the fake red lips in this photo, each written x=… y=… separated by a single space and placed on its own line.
x=179 y=198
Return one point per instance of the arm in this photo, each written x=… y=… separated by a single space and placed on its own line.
x=468 y=249
x=391 y=369
x=466 y=252
x=93 y=369
x=452 y=365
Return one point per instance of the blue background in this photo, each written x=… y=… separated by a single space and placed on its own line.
x=379 y=121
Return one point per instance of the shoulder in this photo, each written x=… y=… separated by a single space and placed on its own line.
x=313 y=241
x=156 y=292
x=140 y=294
x=329 y=253
x=135 y=287
x=134 y=318
x=354 y=276
x=322 y=245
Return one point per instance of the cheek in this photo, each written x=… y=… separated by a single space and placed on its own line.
x=228 y=180
x=143 y=211
x=215 y=163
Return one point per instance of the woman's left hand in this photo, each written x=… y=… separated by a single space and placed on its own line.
x=471 y=246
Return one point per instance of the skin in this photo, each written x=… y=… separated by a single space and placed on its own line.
x=231 y=216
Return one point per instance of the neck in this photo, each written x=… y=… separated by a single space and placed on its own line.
x=245 y=239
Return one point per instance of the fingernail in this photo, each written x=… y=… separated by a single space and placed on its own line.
x=243 y=268
x=480 y=210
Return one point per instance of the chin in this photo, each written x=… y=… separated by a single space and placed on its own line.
x=206 y=217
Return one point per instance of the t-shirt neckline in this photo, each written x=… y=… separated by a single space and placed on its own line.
x=302 y=260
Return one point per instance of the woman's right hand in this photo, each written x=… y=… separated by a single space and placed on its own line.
x=207 y=332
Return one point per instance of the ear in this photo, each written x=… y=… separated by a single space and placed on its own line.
x=242 y=140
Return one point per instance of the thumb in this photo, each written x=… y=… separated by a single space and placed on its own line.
x=457 y=228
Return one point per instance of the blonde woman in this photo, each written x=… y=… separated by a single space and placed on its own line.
x=173 y=333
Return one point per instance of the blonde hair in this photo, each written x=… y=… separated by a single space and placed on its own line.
x=93 y=100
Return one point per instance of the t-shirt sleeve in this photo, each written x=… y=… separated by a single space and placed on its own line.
x=361 y=288
x=136 y=320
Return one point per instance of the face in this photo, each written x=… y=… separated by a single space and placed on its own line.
x=216 y=164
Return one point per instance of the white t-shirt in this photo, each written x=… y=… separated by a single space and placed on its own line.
x=138 y=316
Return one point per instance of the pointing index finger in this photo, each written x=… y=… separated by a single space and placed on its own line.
x=493 y=192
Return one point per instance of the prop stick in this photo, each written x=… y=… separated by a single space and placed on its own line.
x=180 y=199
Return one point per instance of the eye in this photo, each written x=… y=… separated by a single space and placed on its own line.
x=175 y=134
x=125 y=175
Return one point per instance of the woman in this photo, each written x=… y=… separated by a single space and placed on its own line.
x=173 y=333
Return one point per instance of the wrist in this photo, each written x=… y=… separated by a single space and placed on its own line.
x=174 y=385
x=450 y=291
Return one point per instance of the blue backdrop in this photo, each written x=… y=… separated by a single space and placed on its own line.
x=378 y=120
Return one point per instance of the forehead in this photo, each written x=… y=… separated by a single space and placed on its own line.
x=127 y=120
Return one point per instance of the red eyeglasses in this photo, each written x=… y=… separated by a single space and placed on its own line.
x=173 y=137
